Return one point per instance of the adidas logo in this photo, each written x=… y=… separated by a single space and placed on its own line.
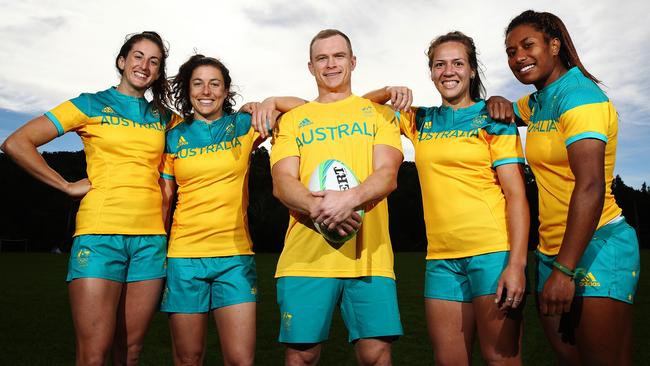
x=427 y=125
x=181 y=142
x=305 y=122
x=108 y=109
x=589 y=281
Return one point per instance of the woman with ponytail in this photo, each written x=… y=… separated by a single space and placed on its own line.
x=588 y=256
x=475 y=209
x=117 y=261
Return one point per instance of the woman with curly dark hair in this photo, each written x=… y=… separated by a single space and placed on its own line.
x=117 y=261
x=211 y=267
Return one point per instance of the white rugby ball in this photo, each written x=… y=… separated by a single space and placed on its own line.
x=333 y=175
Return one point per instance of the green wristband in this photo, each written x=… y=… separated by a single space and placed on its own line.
x=564 y=270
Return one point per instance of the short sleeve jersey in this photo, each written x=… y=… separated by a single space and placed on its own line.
x=209 y=162
x=570 y=109
x=346 y=130
x=123 y=138
x=456 y=155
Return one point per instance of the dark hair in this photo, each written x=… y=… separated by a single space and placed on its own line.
x=181 y=85
x=476 y=88
x=552 y=27
x=327 y=33
x=160 y=87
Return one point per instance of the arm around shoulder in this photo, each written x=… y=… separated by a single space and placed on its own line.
x=265 y=114
x=400 y=97
x=502 y=110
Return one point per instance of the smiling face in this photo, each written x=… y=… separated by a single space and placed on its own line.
x=207 y=93
x=331 y=64
x=451 y=73
x=140 y=68
x=533 y=59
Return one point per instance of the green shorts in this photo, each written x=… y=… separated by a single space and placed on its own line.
x=368 y=307
x=198 y=285
x=121 y=258
x=462 y=279
x=611 y=262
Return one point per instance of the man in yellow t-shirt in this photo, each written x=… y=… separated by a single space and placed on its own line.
x=315 y=275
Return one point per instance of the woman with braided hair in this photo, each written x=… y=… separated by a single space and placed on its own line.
x=588 y=256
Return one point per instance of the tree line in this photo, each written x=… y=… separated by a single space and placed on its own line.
x=42 y=218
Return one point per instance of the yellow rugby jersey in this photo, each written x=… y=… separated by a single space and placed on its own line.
x=570 y=109
x=209 y=162
x=123 y=138
x=456 y=155
x=346 y=130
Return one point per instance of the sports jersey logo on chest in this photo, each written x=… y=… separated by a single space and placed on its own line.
x=333 y=133
x=541 y=120
x=426 y=136
x=428 y=133
x=450 y=126
x=544 y=126
x=112 y=120
x=212 y=148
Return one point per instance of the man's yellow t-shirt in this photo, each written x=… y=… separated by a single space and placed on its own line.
x=346 y=130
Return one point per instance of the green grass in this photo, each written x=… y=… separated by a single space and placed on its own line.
x=36 y=327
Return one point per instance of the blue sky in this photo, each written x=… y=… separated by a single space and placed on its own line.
x=54 y=50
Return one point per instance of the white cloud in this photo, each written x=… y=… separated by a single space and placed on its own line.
x=54 y=50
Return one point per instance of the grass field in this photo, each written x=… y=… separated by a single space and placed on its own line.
x=36 y=327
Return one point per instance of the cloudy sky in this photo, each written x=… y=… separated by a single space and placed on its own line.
x=52 y=51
